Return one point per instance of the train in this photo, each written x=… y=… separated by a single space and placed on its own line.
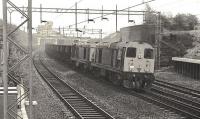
x=128 y=60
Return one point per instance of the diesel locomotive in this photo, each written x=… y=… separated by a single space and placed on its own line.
x=126 y=58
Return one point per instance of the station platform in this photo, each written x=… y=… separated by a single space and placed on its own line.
x=187 y=67
x=13 y=94
x=12 y=97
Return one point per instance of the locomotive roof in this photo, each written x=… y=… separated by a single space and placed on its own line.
x=50 y=44
x=87 y=44
x=117 y=45
x=129 y=44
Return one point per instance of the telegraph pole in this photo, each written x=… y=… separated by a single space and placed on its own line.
x=40 y=13
x=76 y=19
x=116 y=17
x=5 y=60
x=159 y=37
x=30 y=55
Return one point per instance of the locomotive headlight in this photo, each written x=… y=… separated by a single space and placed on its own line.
x=147 y=70
x=139 y=57
x=131 y=67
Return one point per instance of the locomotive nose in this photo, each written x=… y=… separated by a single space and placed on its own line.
x=147 y=66
x=139 y=69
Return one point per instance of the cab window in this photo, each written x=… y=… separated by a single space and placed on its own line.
x=84 y=53
x=131 y=52
x=148 y=53
x=100 y=55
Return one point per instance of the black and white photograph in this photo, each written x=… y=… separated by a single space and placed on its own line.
x=99 y=59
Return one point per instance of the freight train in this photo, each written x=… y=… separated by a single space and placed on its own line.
x=124 y=61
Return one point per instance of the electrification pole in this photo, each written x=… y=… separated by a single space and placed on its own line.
x=159 y=37
x=40 y=13
x=116 y=17
x=5 y=60
x=30 y=55
x=76 y=19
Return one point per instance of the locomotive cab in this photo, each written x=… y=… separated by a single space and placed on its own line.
x=138 y=64
x=139 y=59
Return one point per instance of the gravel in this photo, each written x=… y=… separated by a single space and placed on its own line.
x=117 y=102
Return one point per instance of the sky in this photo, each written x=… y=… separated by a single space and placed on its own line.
x=169 y=7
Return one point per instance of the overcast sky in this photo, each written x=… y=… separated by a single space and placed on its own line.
x=165 y=6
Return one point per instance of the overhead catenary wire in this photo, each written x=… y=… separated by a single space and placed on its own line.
x=68 y=8
x=114 y=12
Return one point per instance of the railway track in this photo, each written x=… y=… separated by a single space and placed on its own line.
x=178 y=88
x=162 y=100
x=81 y=107
x=183 y=100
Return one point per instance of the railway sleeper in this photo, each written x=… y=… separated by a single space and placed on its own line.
x=76 y=102
x=79 y=104
x=64 y=92
x=95 y=118
x=84 y=105
x=68 y=94
x=86 y=116
x=72 y=97
x=83 y=109
x=94 y=113
x=78 y=99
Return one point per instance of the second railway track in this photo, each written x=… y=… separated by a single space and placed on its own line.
x=81 y=107
x=181 y=99
x=178 y=88
x=166 y=101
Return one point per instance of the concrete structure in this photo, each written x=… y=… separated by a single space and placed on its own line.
x=21 y=111
x=188 y=67
x=139 y=33
x=12 y=97
x=46 y=34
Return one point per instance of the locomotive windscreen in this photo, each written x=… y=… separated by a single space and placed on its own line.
x=140 y=33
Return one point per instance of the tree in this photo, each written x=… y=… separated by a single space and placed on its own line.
x=184 y=22
x=149 y=15
x=179 y=22
x=192 y=21
x=166 y=21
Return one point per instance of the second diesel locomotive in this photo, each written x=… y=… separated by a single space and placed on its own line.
x=123 y=61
